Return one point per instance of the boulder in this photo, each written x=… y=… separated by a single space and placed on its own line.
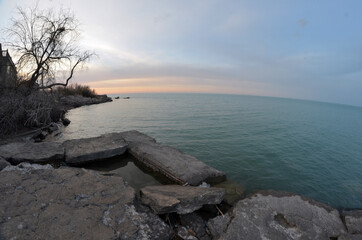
x=42 y=152
x=280 y=215
x=353 y=221
x=81 y=151
x=217 y=226
x=180 y=199
x=71 y=203
x=65 y=121
x=3 y=163
x=170 y=162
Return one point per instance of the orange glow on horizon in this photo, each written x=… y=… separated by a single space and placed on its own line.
x=165 y=85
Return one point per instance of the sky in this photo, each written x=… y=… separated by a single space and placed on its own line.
x=283 y=48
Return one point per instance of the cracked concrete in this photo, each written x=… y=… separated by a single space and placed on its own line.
x=71 y=203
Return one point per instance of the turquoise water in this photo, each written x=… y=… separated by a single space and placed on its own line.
x=305 y=147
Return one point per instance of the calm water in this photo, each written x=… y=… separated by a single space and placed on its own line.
x=304 y=147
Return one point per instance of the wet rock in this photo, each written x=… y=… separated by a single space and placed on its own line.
x=353 y=221
x=80 y=151
x=280 y=215
x=32 y=152
x=53 y=127
x=65 y=121
x=217 y=226
x=71 y=203
x=194 y=223
x=174 y=198
x=3 y=163
x=170 y=162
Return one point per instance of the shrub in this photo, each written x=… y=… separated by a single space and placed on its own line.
x=76 y=89
x=19 y=111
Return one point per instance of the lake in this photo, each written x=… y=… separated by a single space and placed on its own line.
x=310 y=148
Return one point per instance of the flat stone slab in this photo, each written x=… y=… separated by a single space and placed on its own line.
x=81 y=151
x=280 y=215
x=353 y=221
x=180 y=199
x=170 y=162
x=71 y=203
x=42 y=152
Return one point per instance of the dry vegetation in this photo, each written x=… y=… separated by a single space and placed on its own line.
x=37 y=109
x=76 y=89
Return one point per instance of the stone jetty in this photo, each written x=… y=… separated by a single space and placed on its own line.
x=69 y=202
x=169 y=162
x=82 y=151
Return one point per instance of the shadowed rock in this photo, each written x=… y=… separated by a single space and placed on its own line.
x=70 y=203
x=180 y=199
x=353 y=221
x=3 y=163
x=194 y=223
x=32 y=152
x=279 y=215
x=170 y=162
x=81 y=151
x=348 y=236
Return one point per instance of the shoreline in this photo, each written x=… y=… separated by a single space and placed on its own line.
x=285 y=209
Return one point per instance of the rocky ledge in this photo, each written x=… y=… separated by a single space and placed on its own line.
x=169 y=162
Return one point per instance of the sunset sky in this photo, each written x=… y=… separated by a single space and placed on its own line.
x=295 y=49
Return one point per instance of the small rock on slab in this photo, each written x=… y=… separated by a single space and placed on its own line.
x=170 y=162
x=42 y=152
x=280 y=215
x=174 y=198
x=353 y=221
x=72 y=203
x=81 y=151
x=3 y=163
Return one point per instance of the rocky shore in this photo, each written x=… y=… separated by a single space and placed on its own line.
x=70 y=102
x=40 y=200
x=64 y=103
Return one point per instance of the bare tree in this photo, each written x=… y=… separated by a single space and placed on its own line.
x=46 y=46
